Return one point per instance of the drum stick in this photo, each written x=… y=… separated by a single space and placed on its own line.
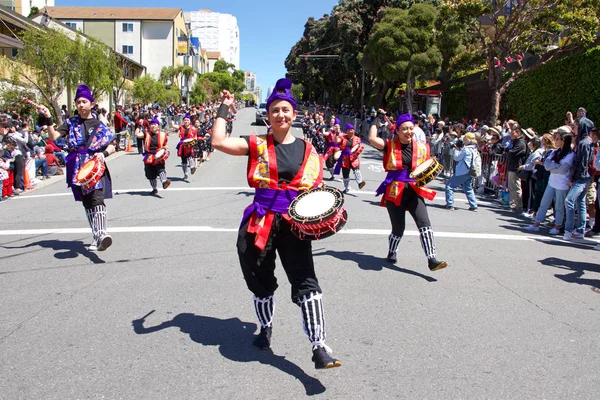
x=26 y=100
x=147 y=315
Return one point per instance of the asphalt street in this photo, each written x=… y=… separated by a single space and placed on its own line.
x=165 y=313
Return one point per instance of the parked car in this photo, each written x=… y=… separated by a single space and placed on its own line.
x=261 y=114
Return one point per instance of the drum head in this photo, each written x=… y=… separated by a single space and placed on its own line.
x=190 y=140
x=355 y=148
x=316 y=204
x=424 y=166
x=85 y=170
x=160 y=153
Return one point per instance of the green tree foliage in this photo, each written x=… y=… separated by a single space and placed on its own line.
x=402 y=47
x=298 y=91
x=535 y=103
x=344 y=32
x=146 y=89
x=33 y=12
x=168 y=75
x=97 y=66
x=12 y=98
x=214 y=82
x=198 y=94
x=533 y=27
x=223 y=66
x=46 y=52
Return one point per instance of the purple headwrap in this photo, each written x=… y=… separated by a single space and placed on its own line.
x=187 y=116
x=349 y=126
x=85 y=92
x=282 y=91
x=155 y=120
x=336 y=121
x=402 y=118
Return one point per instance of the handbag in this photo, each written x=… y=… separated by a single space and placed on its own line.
x=524 y=175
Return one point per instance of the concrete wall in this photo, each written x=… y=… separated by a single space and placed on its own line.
x=102 y=30
x=129 y=39
x=157 y=46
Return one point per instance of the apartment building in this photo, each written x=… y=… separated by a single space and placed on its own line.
x=23 y=7
x=217 y=32
x=148 y=36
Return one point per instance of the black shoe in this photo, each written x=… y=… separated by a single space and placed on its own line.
x=263 y=340
x=447 y=207
x=592 y=233
x=391 y=257
x=323 y=360
x=473 y=209
x=154 y=191
x=435 y=265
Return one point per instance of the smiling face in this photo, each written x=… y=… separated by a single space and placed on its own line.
x=154 y=128
x=281 y=115
x=405 y=132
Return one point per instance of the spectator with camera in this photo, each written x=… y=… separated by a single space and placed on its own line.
x=465 y=150
x=516 y=155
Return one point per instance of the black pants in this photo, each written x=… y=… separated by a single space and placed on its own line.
x=330 y=162
x=18 y=171
x=140 y=145
x=596 y=227
x=92 y=199
x=258 y=266
x=526 y=189
x=153 y=171
x=346 y=172
x=414 y=204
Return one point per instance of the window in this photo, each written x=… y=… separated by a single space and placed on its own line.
x=127 y=27
x=71 y=25
x=14 y=52
x=127 y=49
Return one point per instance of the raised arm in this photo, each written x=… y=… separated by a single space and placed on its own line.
x=376 y=141
x=229 y=145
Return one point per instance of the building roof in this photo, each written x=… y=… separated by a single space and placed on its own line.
x=213 y=54
x=12 y=17
x=127 y=13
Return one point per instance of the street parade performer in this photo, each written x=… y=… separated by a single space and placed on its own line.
x=185 y=147
x=332 y=145
x=155 y=140
x=351 y=147
x=87 y=139
x=279 y=167
x=401 y=155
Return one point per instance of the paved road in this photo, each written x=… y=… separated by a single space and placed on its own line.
x=513 y=316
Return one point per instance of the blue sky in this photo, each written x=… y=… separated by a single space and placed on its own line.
x=268 y=29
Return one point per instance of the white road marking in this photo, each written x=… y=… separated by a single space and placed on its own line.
x=199 y=228
x=216 y=188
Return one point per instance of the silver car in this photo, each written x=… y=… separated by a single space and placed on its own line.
x=261 y=114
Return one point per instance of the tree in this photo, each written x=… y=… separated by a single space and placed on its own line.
x=402 y=47
x=33 y=12
x=119 y=78
x=238 y=79
x=97 y=66
x=168 y=75
x=223 y=66
x=147 y=90
x=198 y=93
x=44 y=55
x=298 y=91
x=541 y=29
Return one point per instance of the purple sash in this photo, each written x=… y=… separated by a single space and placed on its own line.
x=274 y=200
x=402 y=175
x=338 y=165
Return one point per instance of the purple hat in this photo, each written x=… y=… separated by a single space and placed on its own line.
x=282 y=91
x=187 y=115
x=402 y=118
x=85 y=92
x=155 y=120
x=349 y=126
x=336 y=121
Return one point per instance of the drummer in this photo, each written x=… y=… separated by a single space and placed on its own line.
x=279 y=166
x=332 y=145
x=401 y=155
x=87 y=139
x=154 y=140
x=351 y=147
x=186 y=152
x=207 y=126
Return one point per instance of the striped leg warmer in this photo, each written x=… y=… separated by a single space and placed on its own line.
x=427 y=241
x=393 y=241
x=313 y=319
x=163 y=176
x=264 y=308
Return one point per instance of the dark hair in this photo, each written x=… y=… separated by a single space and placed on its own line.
x=567 y=139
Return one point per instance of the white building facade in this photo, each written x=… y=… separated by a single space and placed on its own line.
x=217 y=32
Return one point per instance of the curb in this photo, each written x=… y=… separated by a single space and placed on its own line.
x=61 y=178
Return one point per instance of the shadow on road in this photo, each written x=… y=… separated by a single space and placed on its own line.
x=64 y=249
x=371 y=263
x=577 y=268
x=233 y=337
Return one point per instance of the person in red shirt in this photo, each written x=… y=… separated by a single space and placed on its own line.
x=120 y=124
x=54 y=167
x=142 y=125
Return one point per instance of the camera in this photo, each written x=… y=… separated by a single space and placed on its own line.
x=594 y=144
x=459 y=143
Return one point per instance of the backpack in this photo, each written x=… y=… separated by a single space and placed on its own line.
x=475 y=168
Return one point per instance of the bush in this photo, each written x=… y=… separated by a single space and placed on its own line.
x=454 y=101
x=541 y=98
